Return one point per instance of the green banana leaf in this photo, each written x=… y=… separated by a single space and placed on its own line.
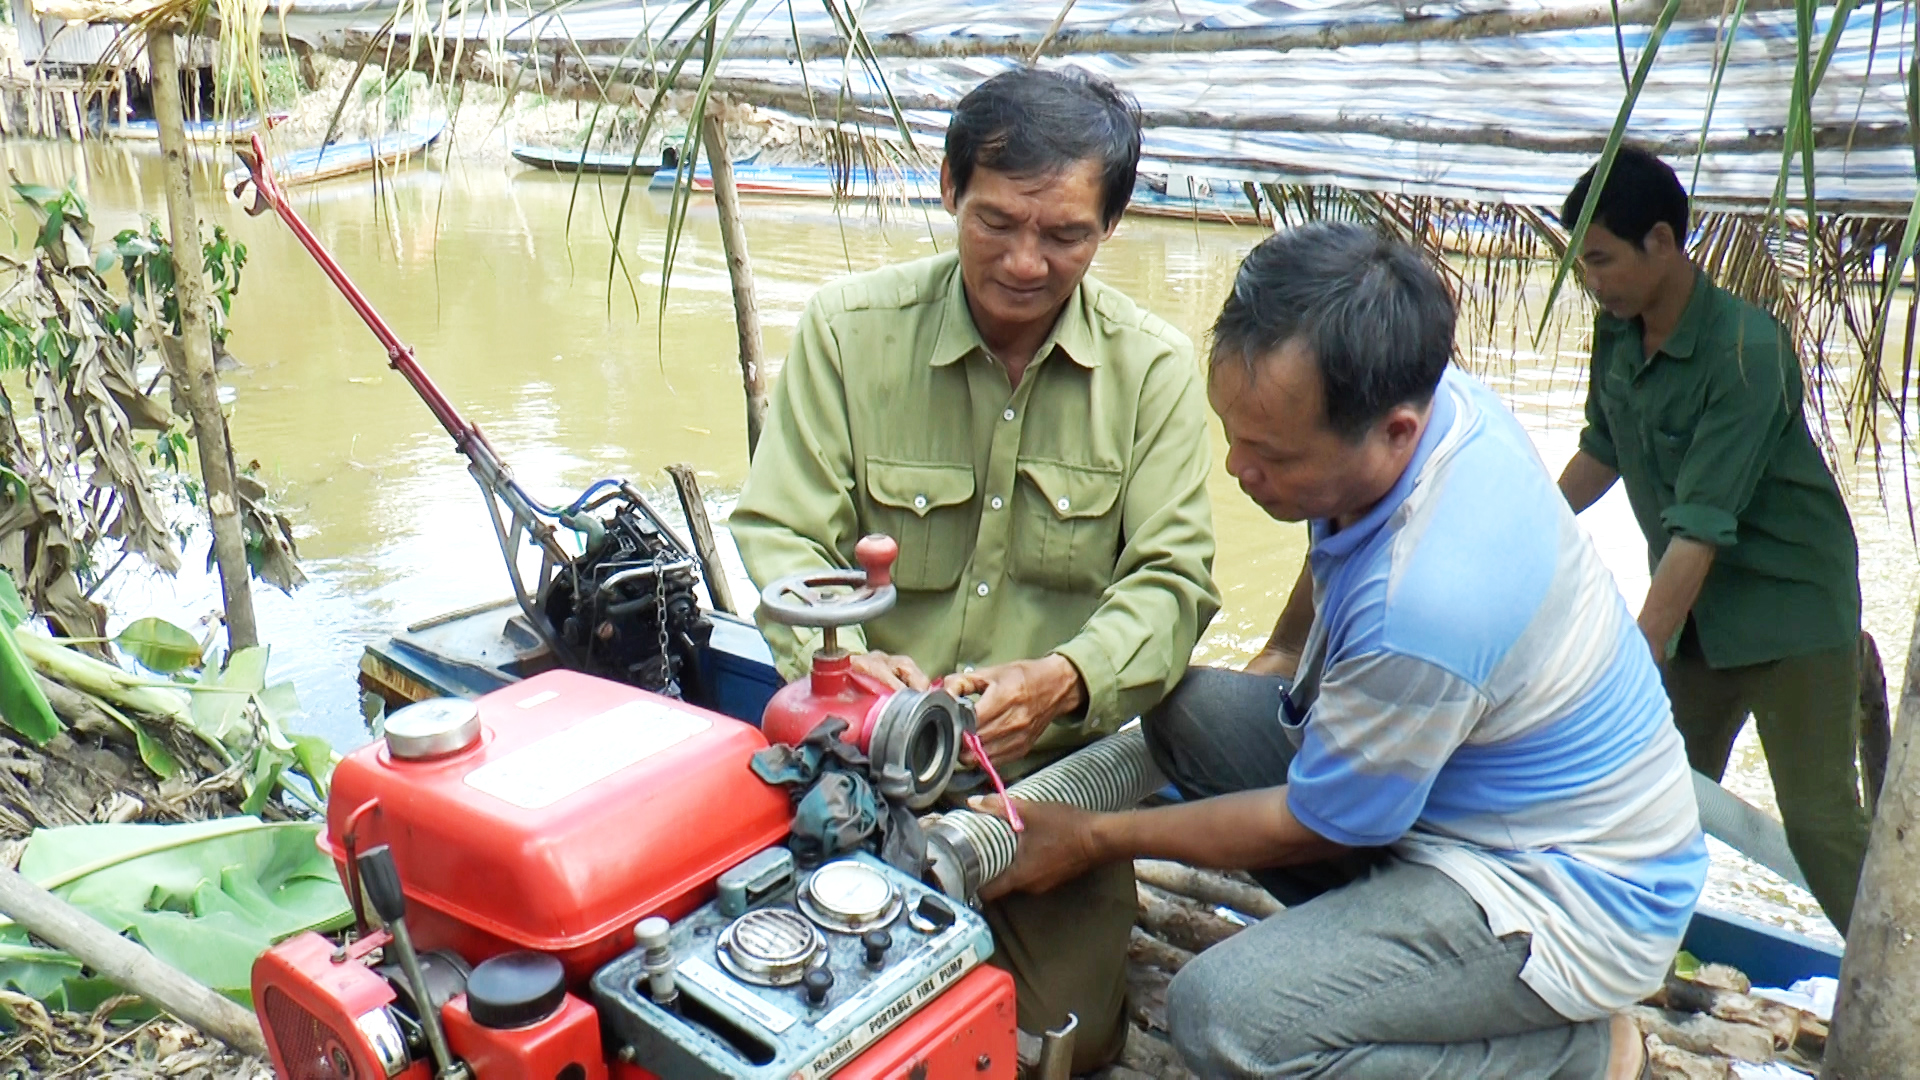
x=207 y=897
x=22 y=706
x=160 y=646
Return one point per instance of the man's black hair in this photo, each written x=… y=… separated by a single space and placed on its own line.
x=1029 y=122
x=1373 y=311
x=1641 y=191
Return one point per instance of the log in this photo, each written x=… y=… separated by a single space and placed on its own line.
x=126 y=964
x=694 y=508
x=1149 y=951
x=1873 y=1032
x=1208 y=887
x=1784 y=1022
x=1183 y=924
x=1672 y=1063
x=1144 y=1053
x=1704 y=1035
x=733 y=237
x=198 y=382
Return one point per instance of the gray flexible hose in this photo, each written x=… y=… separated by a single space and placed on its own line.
x=1745 y=828
x=971 y=849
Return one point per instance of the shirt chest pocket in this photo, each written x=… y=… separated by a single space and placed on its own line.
x=927 y=507
x=1066 y=527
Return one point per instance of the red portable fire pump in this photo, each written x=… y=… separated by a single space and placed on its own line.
x=574 y=878
x=578 y=879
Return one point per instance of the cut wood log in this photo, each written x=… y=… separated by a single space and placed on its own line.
x=1698 y=1034
x=1784 y=1022
x=1208 y=887
x=1672 y=1063
x=1144 y=1053
x=1144 y=948
x=1723 y=977
x=126 y=964
x=1183 y=924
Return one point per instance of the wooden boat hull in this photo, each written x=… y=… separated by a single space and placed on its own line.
x=477 y=650
x=315 y=164
x=566 y=161
x=204 y=131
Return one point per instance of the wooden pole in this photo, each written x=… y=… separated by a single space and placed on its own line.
x=733 y=237
x=199 y=383
x=700 y=530
x=126 y=964
x=1875 y=1034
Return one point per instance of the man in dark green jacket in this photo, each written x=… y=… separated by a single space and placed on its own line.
x=1695 y=400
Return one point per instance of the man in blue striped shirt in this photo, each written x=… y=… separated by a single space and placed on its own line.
x=1455 y=762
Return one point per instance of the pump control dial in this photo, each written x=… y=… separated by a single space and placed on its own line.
x=835 y=598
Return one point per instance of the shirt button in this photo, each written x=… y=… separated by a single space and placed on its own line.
x=1008 y=415
x=919 y=502
x=981 y=588
x=1062 y=504
x=995 y=502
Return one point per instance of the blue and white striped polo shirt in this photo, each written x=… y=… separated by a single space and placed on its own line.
x=1476 y=695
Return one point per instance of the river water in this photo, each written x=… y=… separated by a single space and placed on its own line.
x=499 y=276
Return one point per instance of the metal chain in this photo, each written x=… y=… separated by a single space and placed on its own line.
x=672 y=685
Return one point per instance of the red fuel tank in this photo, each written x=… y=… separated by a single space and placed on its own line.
x=578 y=807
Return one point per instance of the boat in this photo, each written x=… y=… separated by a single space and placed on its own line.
x=1211 y=202
x=314 y=164
x=563 y=160
x=198 y=131
x=913 y=186
x=477 y=650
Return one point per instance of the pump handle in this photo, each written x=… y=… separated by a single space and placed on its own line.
x=381 y=878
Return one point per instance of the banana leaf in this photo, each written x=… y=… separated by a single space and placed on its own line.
x=22 y=706
x=207 y=897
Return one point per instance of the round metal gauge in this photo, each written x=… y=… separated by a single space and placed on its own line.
x=849 y=897
x=433 y=728
x=770 y=947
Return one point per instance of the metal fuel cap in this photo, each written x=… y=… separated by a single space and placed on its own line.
x=433 y=728
x=849 y=897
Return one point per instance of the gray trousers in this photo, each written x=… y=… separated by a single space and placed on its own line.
x=1378 y=967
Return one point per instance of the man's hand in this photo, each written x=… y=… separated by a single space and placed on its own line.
x=1670 y=596
x=896 y=672
x=1018 y=701
x=1056 y=846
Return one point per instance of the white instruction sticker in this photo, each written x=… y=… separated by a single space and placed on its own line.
x=830 y=1060
x=542 y=773
x=708 y=977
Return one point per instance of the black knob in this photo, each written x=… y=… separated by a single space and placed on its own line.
x=818 y=982
x=381 y=878
x=877 y=943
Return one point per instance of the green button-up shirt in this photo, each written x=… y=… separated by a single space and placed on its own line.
x=1068 y=515
x=1711 y=439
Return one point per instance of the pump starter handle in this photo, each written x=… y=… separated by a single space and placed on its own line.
x=380 y=876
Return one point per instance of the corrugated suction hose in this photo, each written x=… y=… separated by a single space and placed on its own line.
x=970 y=849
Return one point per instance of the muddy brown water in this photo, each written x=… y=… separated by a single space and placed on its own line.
x=575 y=377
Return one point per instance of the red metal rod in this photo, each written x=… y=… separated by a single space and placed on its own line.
x=267 y=194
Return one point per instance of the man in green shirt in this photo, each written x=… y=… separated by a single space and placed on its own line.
x=1038 y=446
x=1695 y=401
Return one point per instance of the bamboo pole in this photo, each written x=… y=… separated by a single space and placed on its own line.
x=1874 y=1032
x=733 y=237
x=198 y=382
x=126 y=964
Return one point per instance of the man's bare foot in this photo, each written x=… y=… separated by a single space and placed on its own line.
x=1629 y=1056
